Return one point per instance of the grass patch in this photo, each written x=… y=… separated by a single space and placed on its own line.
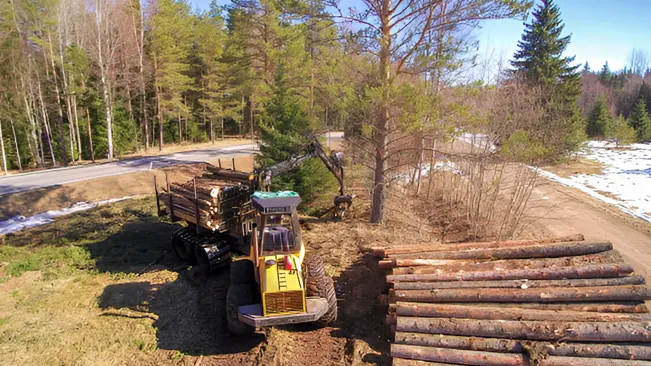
x=571 y=167
x=22 y=260
x=70 y=242
x=3 y=321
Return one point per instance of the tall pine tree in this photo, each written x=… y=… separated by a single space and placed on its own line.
x=539 y=62
x=640 y=121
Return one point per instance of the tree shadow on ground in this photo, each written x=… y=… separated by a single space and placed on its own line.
x=189 y=312
x=360 y=315
x=637 y=171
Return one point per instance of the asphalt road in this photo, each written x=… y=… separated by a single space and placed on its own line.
x=53 y=177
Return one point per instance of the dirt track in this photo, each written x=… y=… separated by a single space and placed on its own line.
x=564 y=211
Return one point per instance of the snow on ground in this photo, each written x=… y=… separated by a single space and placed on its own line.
x=445 y=165
x=626 y=177
x=478 y=140
x=18 y=223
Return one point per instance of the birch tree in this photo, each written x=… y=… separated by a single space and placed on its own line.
x=104 y=51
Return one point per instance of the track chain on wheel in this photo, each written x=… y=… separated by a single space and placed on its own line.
x=196 y=249
x=318 y=283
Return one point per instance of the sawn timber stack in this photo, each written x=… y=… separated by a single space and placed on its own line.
x=560 y=301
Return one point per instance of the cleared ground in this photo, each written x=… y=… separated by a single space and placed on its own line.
x=102 y=287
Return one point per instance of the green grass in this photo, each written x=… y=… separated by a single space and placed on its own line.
x=22 y=260
x=62 y=246
x=3 y=321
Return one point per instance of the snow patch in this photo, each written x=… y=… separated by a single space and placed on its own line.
x=18 y=223
x=440 y=166
x=478 y=140
x=626 y=177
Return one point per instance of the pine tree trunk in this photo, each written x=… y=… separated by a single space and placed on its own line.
x=48 y=132
x=76 y=114
x=180 y=124
x=59 y=123
x=252 y=116
x=129 y=104
x=158 y=106
x=139 y=37
x=380 y=135
x=29 y=105
x=66 y=93
x=2 y=149
x=90 y=137
x=13 y=130
x=104 y=81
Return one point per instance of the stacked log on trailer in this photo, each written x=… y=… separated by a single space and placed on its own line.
x=560 y=301
x=218 y=200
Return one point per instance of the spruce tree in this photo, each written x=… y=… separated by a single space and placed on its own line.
x=620 y=131
x=285 y=132
x=645 y=93
x=285 y=127
x=599 y=120
x=640 y=121
x=539 y=61
x=540 y=52
x=605 y=74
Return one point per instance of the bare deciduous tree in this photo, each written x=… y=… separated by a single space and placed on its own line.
x=395 y=33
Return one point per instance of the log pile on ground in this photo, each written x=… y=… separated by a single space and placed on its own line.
x=561 y=301
x=213 y=201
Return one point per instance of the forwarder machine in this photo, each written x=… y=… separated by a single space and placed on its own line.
x=273 y=282
x=276 y=283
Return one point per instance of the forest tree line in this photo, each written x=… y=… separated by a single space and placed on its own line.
x=90 y=79
x=618 y=103
x=81 y=80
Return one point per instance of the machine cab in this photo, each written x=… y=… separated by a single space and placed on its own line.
x=277 y=222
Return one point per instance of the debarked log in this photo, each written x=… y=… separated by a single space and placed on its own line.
x=546 y=294
x=481 y=358
x=499 y=313
x=597 y=350
x=554 y=273
x=521 y=252
x=599 y=307
x=438 y=247
x=407 y=266
x=523 y=283
x=530 y=330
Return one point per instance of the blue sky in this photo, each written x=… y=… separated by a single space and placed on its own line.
x=602 y=30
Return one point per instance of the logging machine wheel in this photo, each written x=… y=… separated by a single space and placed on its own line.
x=181 y=248
x=318 y=283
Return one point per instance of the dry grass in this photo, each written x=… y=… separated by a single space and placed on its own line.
x=574 y=167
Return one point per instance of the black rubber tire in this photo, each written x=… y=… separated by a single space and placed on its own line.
x=236 y=296
x=242 y=272
x=178 y=245
x=318 y=283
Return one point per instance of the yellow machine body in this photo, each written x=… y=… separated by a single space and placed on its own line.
x=282 y=289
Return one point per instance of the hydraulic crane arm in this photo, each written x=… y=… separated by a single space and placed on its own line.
x=333 y=164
